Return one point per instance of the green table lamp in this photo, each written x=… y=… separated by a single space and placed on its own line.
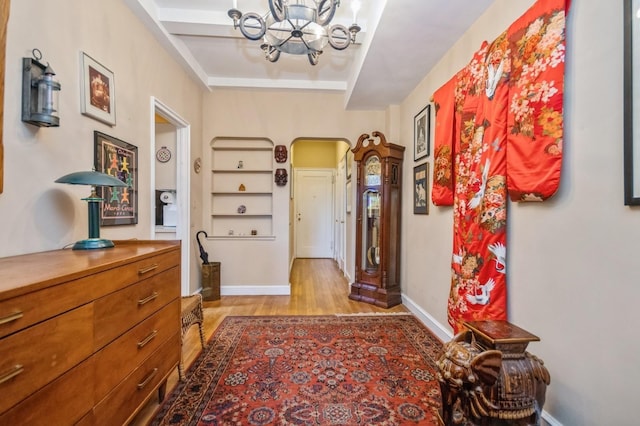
x=94 y=179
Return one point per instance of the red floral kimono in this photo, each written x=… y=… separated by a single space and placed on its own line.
x=499 y=130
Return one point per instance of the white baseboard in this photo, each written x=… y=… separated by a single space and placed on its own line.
x=444 y=334
x=256 y=290
x=549 y=420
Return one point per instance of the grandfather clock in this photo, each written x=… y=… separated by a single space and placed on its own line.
x=379 y=202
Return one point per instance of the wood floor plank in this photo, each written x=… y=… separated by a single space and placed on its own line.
x=318 y=287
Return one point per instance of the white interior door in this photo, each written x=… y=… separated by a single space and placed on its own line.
x=314 y=213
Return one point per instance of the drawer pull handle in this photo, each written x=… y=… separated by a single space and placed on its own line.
x=11 y=317
x=13 y=372
x=143 y=342
x=148 y=298
x=147 y=269
x=151 y=375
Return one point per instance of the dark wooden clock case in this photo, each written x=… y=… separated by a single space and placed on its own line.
x=378 y=221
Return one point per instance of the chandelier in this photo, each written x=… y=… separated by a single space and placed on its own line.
x=297 y=27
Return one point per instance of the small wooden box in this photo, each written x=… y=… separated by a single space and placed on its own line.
x=501 y=335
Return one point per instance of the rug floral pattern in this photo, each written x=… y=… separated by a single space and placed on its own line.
x=311 y=370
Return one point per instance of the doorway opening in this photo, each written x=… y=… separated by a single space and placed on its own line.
x=170 y=180
x=320 y=225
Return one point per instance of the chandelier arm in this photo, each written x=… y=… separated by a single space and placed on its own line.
x=249 y=21
x=288 y=31
x=271 y=53
x=313 y=57
x=295 y=27
x=277 y=10
x=339 y=37
x=325 y=15
x=285 y=41
x=307 y=46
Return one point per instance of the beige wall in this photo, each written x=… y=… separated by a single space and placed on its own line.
x=573 y=277
x=37 y=214
x=282 y=116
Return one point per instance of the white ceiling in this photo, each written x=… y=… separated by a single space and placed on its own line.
x=400 y=41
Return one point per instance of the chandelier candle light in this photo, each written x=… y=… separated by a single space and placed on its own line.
x=297 y=27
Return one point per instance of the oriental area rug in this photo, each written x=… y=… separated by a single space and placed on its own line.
x=311 y=370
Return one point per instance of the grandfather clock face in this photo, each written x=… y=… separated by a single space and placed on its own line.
x=372 y=171
x=371 y=202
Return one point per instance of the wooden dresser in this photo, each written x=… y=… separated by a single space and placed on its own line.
x=87 y=337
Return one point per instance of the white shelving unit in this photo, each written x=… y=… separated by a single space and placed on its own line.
x=242 y=189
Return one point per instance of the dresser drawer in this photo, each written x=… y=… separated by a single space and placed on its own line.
x=23 y=311
x=118 y=359
x=123 y=276
x=62 y=402
x=117 y=407
x=120 y=311
x=37 y=355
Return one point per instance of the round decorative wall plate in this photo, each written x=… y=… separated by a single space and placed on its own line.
x=163 y=154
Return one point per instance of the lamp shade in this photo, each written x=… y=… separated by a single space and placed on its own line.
x=90 y=178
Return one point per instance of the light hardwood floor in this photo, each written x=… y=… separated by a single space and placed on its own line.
x=317 y=288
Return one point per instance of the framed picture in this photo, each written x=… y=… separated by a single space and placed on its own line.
x=421 y=189
x=422 y=133
x=98 y=91
x=120 y=159
x=631 y=104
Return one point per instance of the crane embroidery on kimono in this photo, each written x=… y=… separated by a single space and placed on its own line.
x=477 y=198
x=485 y=292
x=493 y=77
x=500 y=252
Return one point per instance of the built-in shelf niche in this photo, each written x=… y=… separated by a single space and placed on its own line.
x=242 y=188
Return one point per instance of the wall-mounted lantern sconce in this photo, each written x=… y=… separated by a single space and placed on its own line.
x=39 y=92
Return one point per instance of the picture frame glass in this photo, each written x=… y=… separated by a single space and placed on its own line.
x=117 y=158
x=422 y=133
x=421 y=189
x=98 y=91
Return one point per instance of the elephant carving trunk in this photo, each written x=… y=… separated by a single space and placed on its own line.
x=489 y=379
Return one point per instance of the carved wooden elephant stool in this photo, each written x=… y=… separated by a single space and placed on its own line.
x=488 y=379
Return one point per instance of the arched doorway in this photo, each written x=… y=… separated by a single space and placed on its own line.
x=311 y=161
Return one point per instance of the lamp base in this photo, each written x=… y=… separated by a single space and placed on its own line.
x=93 y=243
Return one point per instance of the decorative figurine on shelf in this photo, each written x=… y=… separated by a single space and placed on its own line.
x=487 y=378
x=240 y=164
x=280 y=153
x=242 y=188
x=254 y=232
x=281 y=177
x=242 y=209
